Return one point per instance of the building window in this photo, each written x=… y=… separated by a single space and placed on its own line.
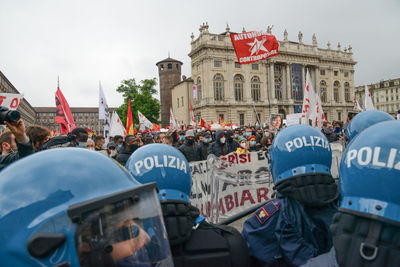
x=199 y=93
x=218 y=87
x=297 y=82
x=346 y=74
x=339 y=115
x=278 y=81
x=51 y=120
x=322 y=72
x=336 y=91
x=255 y=89
x=217 y=63
x=254 y=66
x=324 y=92
x=198 y=66
x=347 y=92
x=238 y=83
x=169 y=66
x=182 y=104
x=241 y=119
x=177 y=66
x=178 y=101
x=162 y=67
x=335 y=73
x=237 y=65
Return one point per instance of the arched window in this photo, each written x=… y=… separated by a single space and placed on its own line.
x=324 y=92
x=199 y=93
x=169 y=66
x=218 y=87
x=255 y=89
x=336 y=86
x=238 y=82
x=347 y=92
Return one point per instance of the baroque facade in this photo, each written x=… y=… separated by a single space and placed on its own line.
x=385 y=95
x=235 y=92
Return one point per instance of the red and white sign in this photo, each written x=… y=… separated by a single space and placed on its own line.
x=10 y=101
x=254 y=46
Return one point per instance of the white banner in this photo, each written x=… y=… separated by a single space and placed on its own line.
x=104 y=113
x=10 y=101
x=144 y=122
x=116 y=127
x=223 y=187
x=293 y=119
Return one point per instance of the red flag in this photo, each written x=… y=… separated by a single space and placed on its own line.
x=63 y=113
x=156 y=127
x=212 y=122
x=129 y=120
x=204 y=124
x=254 y=46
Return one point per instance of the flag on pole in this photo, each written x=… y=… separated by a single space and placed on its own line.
x=368 y=105
x=192 y=120
x=144 y=122
x=104 y=114
x=116 y=126
x=203 y=124
x=63 y=113
x=320 y=116
x=172 y=122
x=309 y=100
x=356 y=104
x=129 y=120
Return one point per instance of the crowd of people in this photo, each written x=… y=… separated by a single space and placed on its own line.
x=70 y=207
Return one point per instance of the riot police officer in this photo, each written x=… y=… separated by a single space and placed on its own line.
x=193 y=241
x=294 y=227
x=366 y=229
x=75 y=207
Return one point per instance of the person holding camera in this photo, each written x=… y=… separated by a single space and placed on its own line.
x=14 y=144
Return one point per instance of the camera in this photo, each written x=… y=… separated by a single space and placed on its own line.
x=8 y=115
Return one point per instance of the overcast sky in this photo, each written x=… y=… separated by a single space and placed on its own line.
x=87 y=41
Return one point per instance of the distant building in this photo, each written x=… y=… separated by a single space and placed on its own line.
x=234 y=92
x=169 y=71
x=83 y=117
x=27 y=112
x=385 y=95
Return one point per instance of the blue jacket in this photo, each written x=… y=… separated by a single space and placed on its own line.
x=326 y=260
x=285 y=233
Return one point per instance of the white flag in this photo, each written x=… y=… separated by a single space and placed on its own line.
x=116 y=127
x=356 y=104
x=144 y=122
x=104 y=113
x=172 y=121
x=10 y=101
x=309 y=101
x=368 y=105
x=320 y=116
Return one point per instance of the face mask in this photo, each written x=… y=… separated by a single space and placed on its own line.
x=266 y=134
x=119 y=146
x=91 y=148
x=82 y=144
x=236 y=136
x=113 y=153
x=222 y=140
x=243 y=145
x=181 y=138
x=248 y=133
x=104 y=147
x=252 y=143
x=190 y=141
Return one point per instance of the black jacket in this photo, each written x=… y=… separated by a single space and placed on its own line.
x=124 y=154
x=204 y=149
x=23 y=150
x=191 y=152
x=217 y=148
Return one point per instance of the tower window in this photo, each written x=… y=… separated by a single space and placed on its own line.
x=162 y=67
x=177 y=66
x=169 y=66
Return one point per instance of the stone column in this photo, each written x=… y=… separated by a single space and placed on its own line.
x=229 y=92
x=317 y=79
x=341 y=88
x=264 y=83
x=272 y=80
x=329 y=86
x=288 y=82
x=247 y=84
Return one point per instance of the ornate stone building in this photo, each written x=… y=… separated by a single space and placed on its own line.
x=385 y=95
x=271 y=86
x=27 y=112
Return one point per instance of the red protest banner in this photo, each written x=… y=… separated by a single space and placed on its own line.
x=254 y=46
x=63 y=114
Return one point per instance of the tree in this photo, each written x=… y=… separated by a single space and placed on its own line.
x=141 y=96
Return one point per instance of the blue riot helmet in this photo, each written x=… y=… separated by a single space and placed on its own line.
x=365 y=231
x=301 y=160
x=164 y=165
x=370 y=172
x=364 y=120
x=75 y=207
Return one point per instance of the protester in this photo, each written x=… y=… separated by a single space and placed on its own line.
x=190 y=149
x=112 y=150
x=129 y=146
x=15 y=144
x=118 y=140
x=180 y=139
x=219 y=147
x=231 y=143
x=193 y=241
x=74 y=207
x=365 y=230
x=204 y=142
x=99 y=142
x=167 y=140
x=90 y=144
x=38 y=135
x=253 y=146
x=327 y=130
x=294 y=227
x=244 y=146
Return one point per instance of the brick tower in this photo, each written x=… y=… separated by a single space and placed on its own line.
x=169 y=71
